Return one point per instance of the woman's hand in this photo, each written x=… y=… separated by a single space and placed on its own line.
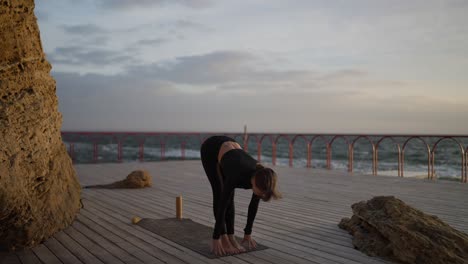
x=249 y=242
x=217 y=248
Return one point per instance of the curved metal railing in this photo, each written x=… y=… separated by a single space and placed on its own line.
x=259 y=138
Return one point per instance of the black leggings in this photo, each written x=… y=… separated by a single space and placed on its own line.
x=209 y=155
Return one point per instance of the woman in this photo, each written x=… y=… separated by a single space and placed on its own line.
x=228 y=167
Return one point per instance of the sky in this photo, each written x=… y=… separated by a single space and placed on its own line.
x=331 y=66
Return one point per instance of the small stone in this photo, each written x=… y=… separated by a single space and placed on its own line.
x=135 y=220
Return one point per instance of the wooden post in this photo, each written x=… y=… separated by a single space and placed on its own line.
x=179 y=207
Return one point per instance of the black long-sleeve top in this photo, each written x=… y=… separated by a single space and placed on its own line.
x=237 y=169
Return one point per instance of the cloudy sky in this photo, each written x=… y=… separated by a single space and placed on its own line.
x=362 y=66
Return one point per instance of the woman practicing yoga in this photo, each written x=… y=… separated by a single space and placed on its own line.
x=228 y=167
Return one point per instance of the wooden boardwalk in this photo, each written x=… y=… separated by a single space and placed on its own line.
x=300 y=228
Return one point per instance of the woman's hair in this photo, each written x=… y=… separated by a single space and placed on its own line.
x=266 y=180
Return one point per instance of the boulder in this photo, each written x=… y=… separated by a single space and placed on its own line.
x=136 y=179
x=385 y=226
x=39 y=191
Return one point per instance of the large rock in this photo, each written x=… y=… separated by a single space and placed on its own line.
x=387 y=227
x=136 y=179
x=39 y=191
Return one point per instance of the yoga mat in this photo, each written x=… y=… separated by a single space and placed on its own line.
x=187 y=233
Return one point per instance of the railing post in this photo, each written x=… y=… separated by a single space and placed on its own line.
x=432 y=165
x=375 y=160
x=399 y=163
x=291 y=155
x=466 y=166
x=402 y=163
x=95 y=152
x=274 y=154
x=329 y=155
x=463 y=167
x=259 y=152
x=428 y=164
x=350 y=157
x=309 y=156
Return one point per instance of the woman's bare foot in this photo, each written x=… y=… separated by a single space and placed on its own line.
x=234 y=243
x=227 y=246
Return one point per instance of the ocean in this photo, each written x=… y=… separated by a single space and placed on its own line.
x=447 y=158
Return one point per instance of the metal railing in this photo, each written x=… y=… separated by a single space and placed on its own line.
x=310 y=139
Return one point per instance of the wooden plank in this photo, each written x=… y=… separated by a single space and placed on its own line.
x=314 y=244
x=321 y=197
x=113 y=249
x=311 y=182
x=27 y=256
x=248 y=258
x=133 y=237
x=122 y=239
x=172 y=247
x=61 y=252
x=111 y=219
x=305 y=251
x=347 y=209
x=95 y=249
x=45 y=255
x=288 y=258
x=9 y=258
x=226 y=259
x=276 y=219
x=439 y=214
x=119 y=241
x=354 y=192
x=78 y=250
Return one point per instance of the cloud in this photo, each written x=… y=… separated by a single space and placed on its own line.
x=183 y=24
x=132 y=102
x=197 y=93
x=151 y=42
x=208 y=68
x=122 y=4
x=87 y=34
x=233 y=72
x=75 y=55
x=244 y=73
x=83 y=29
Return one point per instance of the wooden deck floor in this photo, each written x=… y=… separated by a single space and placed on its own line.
x=300 y=228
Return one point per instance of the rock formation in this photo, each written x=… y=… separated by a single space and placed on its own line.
x=387 y=227
x=136 y=179
x=39 y=191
